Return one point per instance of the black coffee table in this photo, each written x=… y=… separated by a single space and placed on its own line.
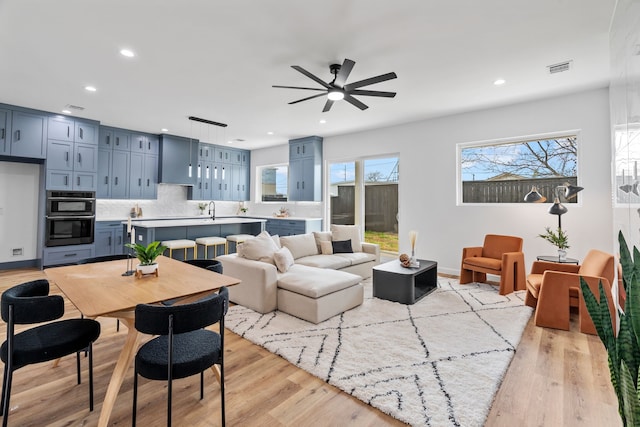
x=393 y=282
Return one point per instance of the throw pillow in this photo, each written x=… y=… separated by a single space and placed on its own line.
x=342 y=247
x=327 y=248
x=276 y=240
x=347 y=232
x=260 y=248
x=300 y=245
x=321 y=236
x=283 y=259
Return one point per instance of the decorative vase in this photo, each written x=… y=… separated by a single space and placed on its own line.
x=142 y=270
x=562 y=254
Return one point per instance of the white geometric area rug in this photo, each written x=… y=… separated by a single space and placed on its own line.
x=436 y=363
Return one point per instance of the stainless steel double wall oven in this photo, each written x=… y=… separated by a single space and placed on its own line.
x=71 y=217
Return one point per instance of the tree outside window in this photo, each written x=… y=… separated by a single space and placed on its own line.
x=504 y=172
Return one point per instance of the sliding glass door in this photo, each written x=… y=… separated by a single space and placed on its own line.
x=365 y=192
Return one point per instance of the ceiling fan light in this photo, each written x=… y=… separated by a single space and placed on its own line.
x=335 y=95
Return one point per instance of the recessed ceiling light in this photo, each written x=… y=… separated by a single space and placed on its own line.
x=499 y=82
x=269 y=133
x=128 y=53
x=323 y=121
x=90 y=88
x=66 y=111
x=229 y=142
x=164 y=130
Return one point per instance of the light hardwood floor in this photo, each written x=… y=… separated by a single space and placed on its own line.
x=557 y=378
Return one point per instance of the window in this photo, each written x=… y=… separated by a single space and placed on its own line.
x=504 y=171
x=372 y=184
x=274 y=183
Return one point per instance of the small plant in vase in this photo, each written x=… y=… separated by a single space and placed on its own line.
x=202 y=207
x=558 y=238
x=147 y=256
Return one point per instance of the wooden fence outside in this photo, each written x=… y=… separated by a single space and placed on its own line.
x=381 y=206
x=513 y=190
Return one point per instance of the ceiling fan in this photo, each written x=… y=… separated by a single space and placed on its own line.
x=336 y=89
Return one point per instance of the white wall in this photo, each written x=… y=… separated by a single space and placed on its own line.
x=427 y=189
x=19 y=195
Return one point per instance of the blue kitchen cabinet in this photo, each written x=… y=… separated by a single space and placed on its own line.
x=305 y=169
x=28 y=135
x=5 y=131
x=176 y=154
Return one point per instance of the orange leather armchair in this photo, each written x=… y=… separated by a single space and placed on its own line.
x=499 y=255
x=552 y=289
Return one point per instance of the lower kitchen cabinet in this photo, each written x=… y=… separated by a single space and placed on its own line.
x=289 y=227
x=59 y=255
x=109 y=238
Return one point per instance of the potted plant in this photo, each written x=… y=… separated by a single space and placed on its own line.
x=147 y=256
x=202 y=207
x=623 y=347
x=558 y=238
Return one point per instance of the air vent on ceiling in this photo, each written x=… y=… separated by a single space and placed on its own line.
x=239 y=140
x=560 y=67
x=74 y=107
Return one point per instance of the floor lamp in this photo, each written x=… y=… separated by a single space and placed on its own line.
x=568 y=191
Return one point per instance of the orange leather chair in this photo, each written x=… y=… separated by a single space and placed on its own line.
x=553 y=288
x=499 y=255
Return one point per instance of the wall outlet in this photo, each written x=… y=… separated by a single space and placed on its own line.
x=140 y=238
x=16 y=251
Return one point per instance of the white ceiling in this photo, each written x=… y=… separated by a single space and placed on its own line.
x=218 y=59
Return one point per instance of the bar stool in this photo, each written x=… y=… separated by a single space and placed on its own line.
x=184 y=244
x=238 y=238
x=212 y=241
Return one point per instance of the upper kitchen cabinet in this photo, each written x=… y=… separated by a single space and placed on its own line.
x=114 y=139
x=128 y=164
x=176 y=156
x=72 y=159
x=145 y=143
x=23 y=133
x=305 y=169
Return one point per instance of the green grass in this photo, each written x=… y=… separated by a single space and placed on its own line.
x=387 y=240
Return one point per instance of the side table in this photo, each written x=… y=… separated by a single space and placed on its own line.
x=393 y=282
x=555 y=258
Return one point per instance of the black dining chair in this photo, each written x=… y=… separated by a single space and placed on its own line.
x=30 y=303
x=209 y=264
x=183 y=348
x=105 y=258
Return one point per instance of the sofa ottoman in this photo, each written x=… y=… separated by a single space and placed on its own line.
x=316 y=294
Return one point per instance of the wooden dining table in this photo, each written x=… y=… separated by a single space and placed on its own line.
x=100 y=289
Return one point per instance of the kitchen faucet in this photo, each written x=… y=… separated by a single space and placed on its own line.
x=212 y=213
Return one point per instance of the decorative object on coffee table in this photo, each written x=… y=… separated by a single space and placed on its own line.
x=413 y=236
x=405 y=261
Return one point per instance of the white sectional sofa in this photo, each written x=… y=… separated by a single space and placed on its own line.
x=292 y=274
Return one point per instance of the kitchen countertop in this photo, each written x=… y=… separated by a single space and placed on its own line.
x=293 y=218
x=190 y=222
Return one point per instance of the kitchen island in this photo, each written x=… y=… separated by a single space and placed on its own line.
x=147 y=231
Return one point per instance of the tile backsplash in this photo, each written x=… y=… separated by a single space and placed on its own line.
x=172 y=201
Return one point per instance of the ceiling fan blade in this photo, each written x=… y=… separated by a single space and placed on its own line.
x=372 y=93
x=307 y=98
x=311 y=76
x=298 y=87
x=328 y=105
x=343 y=74
x=370 y=81
x=351 y=100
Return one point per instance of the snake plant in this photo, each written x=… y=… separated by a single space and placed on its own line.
x=623 y=348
